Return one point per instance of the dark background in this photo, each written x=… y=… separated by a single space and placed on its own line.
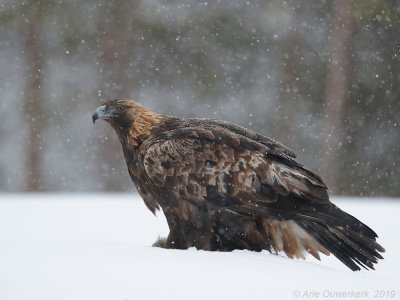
x=322 y=77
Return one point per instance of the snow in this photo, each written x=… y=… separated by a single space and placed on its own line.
x=92 y=246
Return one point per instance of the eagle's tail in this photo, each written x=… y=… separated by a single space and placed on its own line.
x=350 y=240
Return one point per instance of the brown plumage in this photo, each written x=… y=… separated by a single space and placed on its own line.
x=224 y=187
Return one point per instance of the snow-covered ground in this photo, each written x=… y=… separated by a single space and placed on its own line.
x=99 y=247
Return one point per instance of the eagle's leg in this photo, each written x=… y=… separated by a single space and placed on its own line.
x=171 y=242
x=175 y=241
x=160 y=242
x=190 y=226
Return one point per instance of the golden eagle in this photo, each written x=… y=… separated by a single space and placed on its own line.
x=224 y=187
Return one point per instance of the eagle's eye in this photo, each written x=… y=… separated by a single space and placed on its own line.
x=121 y=108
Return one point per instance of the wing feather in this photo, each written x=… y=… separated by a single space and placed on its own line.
x=214 y=162
x=273 y=145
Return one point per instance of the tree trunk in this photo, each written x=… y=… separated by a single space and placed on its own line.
x=336 y=90
x=288 y=99
x=32 y=101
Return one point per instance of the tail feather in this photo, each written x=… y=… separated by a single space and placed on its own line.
x=334 y=215
x=369 y=243
x=354 y=249
x=358 y=245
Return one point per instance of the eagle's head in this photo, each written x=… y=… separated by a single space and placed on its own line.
x=130 y=119
x=118 y=111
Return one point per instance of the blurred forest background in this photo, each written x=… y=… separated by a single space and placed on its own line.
x=322 y=77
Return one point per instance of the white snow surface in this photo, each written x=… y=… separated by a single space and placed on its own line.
x=98 y=246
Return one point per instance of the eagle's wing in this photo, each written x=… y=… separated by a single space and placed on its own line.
x=234 y=164
x=274 y=147
x=219 y=165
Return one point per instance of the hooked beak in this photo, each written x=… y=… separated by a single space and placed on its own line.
x=99 y=113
